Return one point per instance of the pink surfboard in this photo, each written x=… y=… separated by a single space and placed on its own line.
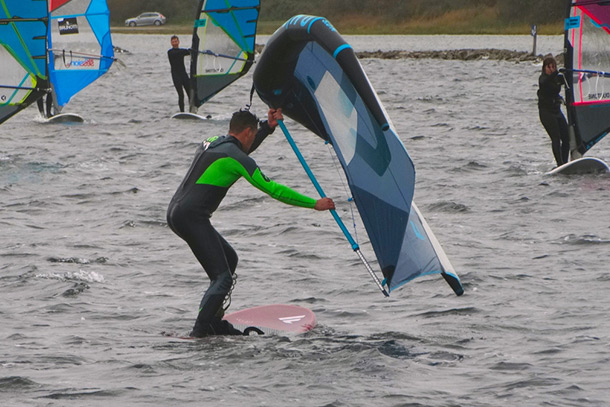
x=274 y=319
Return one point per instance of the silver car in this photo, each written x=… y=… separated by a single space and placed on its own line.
x=146 y=19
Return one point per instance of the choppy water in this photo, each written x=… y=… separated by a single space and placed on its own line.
x=90 y=275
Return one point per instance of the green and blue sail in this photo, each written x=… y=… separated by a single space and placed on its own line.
x=23 y=50
x=309 y=71
x=222 y=51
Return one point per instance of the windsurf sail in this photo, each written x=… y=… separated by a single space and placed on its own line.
x=80 y=46
x=23 y=50
x=587 y=66
x=223 y=45
x=309 y=71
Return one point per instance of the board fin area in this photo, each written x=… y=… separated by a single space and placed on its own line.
x=584 y=165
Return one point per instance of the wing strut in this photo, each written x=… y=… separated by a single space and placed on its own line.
x=315 y=183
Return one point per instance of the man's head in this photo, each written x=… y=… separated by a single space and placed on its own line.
x=243 y=126
x=241 y=120
x=175 y=41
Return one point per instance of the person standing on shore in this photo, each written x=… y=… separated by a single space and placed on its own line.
x=549 y=109
x=179 y=76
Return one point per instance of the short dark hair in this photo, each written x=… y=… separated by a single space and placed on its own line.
x=176 y=37
x=241 y=120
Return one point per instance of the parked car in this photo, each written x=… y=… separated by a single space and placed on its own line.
x=146 y=19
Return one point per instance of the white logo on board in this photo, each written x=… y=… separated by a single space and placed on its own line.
x=291 y=320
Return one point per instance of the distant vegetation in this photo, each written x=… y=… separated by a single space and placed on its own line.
x=381 y=16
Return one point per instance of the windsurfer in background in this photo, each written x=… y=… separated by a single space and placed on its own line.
x=179 y=76
x=219 y=162
x=549 y=108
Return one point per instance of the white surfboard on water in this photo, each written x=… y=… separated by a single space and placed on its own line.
x=65 y=118
x=584 y=165
x=189 y=116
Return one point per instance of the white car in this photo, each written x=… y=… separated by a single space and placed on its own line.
x=146 y=19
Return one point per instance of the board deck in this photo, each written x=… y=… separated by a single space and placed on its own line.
x=65 y=118
x=584 y=165
x=274 y=319
x=189 y=116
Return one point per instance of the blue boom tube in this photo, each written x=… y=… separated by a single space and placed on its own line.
x=316 y=184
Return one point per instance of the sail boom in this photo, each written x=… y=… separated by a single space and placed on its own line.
x=208 y=52
x=18 y=87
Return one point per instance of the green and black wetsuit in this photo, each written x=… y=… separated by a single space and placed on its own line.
x=219 y=162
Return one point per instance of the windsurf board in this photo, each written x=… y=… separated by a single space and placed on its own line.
x=65 y=118
x=190 y=116
x=273 y=319
x=584 y=165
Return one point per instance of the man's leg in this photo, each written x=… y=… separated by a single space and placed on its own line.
x=219 y=261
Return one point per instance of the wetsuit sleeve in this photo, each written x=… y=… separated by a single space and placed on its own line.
x=263 y=131
x=225 y=171
x=278 y=191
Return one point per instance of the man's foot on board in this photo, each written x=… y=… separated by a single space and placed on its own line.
x=216 y=327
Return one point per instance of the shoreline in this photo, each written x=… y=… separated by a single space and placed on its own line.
x=269 y=27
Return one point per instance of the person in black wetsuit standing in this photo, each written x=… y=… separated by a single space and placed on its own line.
x=179 y=76
x=219 y=162
x=549 y=108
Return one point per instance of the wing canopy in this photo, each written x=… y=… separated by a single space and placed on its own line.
x=309 y=71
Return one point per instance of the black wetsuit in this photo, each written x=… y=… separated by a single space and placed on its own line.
x=553 y=120
x=179 y=75
x=219 y=162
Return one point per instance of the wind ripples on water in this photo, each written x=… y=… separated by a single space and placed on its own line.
x=95 y=287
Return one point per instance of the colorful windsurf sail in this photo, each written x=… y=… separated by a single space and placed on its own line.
x=223 y=45
x=23 y=50
x=80 y=46
x=309 y=71
x=587 y=66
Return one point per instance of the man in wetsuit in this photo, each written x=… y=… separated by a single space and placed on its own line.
x=219 y=162
x=179 y=76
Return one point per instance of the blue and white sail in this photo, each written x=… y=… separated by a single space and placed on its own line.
x=309 y=71
x=23 y=48
x=223 y=45
x=80 y=45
